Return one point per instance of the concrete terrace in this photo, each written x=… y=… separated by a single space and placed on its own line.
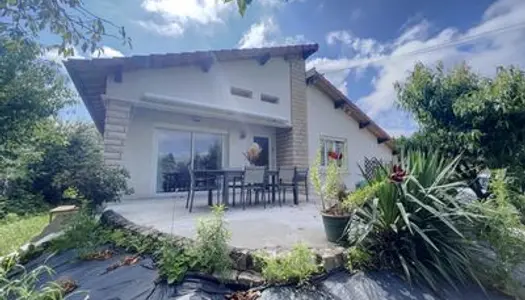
x=253 y=228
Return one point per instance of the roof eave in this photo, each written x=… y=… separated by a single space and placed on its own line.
x=356 y=113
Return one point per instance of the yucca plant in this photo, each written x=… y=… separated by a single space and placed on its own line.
x=413 y=223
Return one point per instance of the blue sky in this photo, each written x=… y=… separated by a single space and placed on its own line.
x=365 y=46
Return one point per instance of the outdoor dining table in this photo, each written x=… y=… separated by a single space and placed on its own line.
x=228 y=174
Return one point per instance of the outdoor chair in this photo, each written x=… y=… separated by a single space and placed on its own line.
x=201 y=181
x=236 y=182
x=254 y=180
x=287 y=179
x=302 y=176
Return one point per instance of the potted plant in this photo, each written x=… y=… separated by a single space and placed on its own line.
x=336 y=211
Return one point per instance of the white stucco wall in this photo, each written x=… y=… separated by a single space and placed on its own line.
x=140 y=152
x=324 y=120
x=192 y=84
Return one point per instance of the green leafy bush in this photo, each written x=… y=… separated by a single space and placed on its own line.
x=295 y=266
x=83 y=233
x=501 y=228
x=358 y=259
x=77 y=164
x=414 y=224
x=328 y=185
x=173 y=263
x=211 y=249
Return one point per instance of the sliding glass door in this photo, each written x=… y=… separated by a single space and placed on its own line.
x=179 y=150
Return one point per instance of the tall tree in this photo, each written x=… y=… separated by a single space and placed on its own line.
x=32 y=92
x=69 y=19
x=462 y=112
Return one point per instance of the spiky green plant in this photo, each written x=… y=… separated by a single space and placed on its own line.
x=416 y=226
x=25 y=285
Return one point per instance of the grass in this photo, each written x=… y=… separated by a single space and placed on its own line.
x=14 y=234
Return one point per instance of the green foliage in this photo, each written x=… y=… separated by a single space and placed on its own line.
x=416 y=227
x=77 y=164
x=83 y=233
x=362 y=195
x=16 y=231
x=327 y=184
x=19 y=200
x=26 y=285
x=211 y=250
x=133 y=242
x=174 y=263
x=358 y=259
x=70 y=20
x=462 y=112
x=31 y=92
x=41 y=158
x=295 y=266
x=501 y=228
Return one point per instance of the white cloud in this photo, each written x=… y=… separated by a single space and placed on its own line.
x=106 y=52
x=259 y=34
x=176 y=15
x=168 y=29
x=393 y=60
x=277 y=3
x=266 y=33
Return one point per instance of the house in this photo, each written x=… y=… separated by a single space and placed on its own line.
x=158 y=113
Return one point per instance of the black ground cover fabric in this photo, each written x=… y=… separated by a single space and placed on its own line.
x=140 y=282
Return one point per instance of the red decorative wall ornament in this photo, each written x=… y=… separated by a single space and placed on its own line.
x=334 y=155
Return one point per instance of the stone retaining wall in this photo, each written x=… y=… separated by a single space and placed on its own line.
x=245 y=271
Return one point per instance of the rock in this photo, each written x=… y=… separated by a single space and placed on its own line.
x=332 y=259
x=250 y=279
x=242 y=259
x=229 y=277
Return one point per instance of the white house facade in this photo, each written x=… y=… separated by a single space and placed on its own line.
x=161 y=113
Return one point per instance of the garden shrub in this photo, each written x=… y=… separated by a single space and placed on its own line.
x=358 y=259
x=211 y=249
x=295 y=266
x=173 y=263
x=83 y=233
x=77 y=164
x=501 y=227
x=18 y=199
x=414 y=225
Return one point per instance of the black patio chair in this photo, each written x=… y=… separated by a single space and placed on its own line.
x=287 y=179
x=302 y=176
x=254 y=180
x=235 y=183
x=201 y=181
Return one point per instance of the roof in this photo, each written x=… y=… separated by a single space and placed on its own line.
x=89 y=75
x=350 y=108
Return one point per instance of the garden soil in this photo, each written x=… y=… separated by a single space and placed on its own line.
x=140 y=281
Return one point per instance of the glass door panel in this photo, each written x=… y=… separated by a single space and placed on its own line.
x=173 y=158
x=207 y=154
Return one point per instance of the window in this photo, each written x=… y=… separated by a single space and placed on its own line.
x=176 y=150
x=241 y=92
x=334 y=145
x=269 y=99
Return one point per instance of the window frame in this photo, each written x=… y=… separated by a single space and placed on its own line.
x=323 y=139
x=269 y=98
x=240 y=92
x=192 y=131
